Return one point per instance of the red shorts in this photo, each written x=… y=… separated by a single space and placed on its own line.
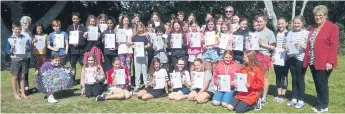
x=265 y=60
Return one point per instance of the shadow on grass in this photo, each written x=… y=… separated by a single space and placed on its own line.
x=66 y=93
x=308 y=99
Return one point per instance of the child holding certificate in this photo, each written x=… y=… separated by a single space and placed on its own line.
x=159 y=45
x=226 y=39
x=93 y=46
x=177 y=43
x=16 y=46
x=92 y=75
x=194 y=42
x=140 y=54
x=243 y=101
x=211 y=37
x=295 y=61
x=180 y=81
x=119 y=80
x=58 y=42
x=156 y=85
x=109 y=42
x=244 y=32
x=226 y=69
x=203 y=87
x=39 y=44
x=76 y=41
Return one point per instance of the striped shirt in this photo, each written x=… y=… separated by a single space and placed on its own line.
x=280 y=38
x=301 y=38
x=311 y=50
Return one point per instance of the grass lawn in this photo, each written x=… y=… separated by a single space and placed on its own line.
x=76 y=103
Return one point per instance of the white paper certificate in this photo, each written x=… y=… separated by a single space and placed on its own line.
x=195 y=40
x=89 y=75
x=241 y=81
x=176 y=40
x=157 y=23
x=223 y=41
x=279 y=56
x=103 y=27
x=41 y=42
x=158 y=42
x=292 y=46
x=224 y=83
x=210 y=38
x=139 y=49
x=238 y=43
x=73 y=37
x=59 y=40
x=176 y=79
x=160 y=80
x=253 y=42
x=121 y=36
x=198 y=79
x=109 y=40
x=93 y=33
x=19 y=45
x=120 y=76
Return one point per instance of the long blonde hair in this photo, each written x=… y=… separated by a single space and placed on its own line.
x=139 y=24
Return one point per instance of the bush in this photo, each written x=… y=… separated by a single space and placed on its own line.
x=341 y=49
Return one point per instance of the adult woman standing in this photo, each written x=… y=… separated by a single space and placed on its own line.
x=321 y=55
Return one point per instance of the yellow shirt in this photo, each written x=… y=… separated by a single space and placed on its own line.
x=40 y=51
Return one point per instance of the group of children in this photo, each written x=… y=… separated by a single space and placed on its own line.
x=176 y=48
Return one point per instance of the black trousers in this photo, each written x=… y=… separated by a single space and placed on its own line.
x=93 y=90
x=239 y=106
x=281 y=76
x=297 y=73
x=108 y=61
x=321 y=85
x=74 y=59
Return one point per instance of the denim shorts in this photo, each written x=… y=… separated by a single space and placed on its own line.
x=211 y=55
x=184 y=90
x=223 y=97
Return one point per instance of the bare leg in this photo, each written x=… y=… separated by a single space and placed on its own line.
x=147 y=96
x=203 y=97
x=266 y=84
x=14 y=87
x=22 y=89
x=179 y=96
x=192 y=96
x=172 y=96
x=117 y=94
x=141 y=93
x=127 y=94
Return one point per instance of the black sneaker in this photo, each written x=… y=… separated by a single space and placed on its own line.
x=100 y=98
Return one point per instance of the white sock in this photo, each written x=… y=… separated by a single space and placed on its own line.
x=294 y=100
x=301 y=102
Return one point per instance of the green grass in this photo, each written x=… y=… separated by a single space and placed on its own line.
x=76 y=103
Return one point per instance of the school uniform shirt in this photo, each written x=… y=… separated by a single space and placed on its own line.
x=108 y=51
x=178 y=51
x=22 y=40
x=123 y=48
x=80 y=49
x=51 y=38
x=267 y=37
x=223 y=69
x=111 y=71
x=41 y=51
x=300 y=37
x=256 y=80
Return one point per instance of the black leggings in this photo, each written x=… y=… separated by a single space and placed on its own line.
x=281 y=76
x=74 y=59
x=297 y=73
x=240 y=106
x=93 y=90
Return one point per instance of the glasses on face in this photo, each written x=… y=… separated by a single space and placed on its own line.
x=229 y=11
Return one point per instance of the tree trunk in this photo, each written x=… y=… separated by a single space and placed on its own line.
x=270 y=12
x=293 y=9
x=304 y=4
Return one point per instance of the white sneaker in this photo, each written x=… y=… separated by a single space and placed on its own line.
x=51 y=99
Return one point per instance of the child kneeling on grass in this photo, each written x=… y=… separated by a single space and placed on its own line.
x=156 y=73
x=92 y=76
x=117 y=91
x=181 y=92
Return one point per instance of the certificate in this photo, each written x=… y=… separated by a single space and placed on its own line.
x=253 y=42
x=292 y=46
x=224 y=41
x=224 y=83
x=210 y=38
x=89 y=75
x=93 y=33
x=109 y=40
x=279 y=56
x=19 y=45
x=198 y=79
x=139 y=50
x=176 y=40
x=241 y=81
x=121 y=36
x=157 y=23
x=158 y=42
x=238 y=43
x=103 y=27
x=234 y=27
x=41 y=42
x=73 y=37
x=195 y=40
x=120 y=76
x=159 y=79
x=176 y=79
x=59 y=40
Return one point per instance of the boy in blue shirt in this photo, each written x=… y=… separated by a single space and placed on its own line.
x=17 y=46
